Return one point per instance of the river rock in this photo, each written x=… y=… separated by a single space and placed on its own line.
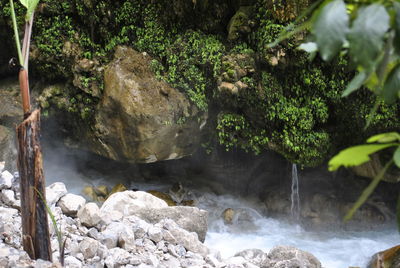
x=71 y=203
x=89 y=214
x=153 y=210
x=290 y=257
x=141 y=118
x=54 y=192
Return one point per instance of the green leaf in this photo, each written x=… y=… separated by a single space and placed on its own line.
x=355 y=83
x=30 y=6
x=385 y=137
x=356 y=155
x=391 y=88
x=330 y=29
x=396 y=157
x=366 y=34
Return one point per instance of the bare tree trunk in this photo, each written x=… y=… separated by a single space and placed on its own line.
x=35 y=228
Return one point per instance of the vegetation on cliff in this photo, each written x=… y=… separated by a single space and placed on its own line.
x=257 y=98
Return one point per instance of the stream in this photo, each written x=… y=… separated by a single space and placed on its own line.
x=250 y=229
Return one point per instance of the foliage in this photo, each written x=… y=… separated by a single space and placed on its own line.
x=368 y=33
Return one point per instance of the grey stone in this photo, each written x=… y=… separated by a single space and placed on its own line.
x=72 y=262
x=291 y=257
x=8 y=198
x=71 y=203
x=187 y=239
x=6 y=179
x=117 y=257
x=255 y=256
x=88 y=247
x=89 y=214
x=155 y=234
x=54 y=192
x=153 y=210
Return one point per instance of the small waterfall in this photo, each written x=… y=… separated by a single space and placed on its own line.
x=295 y=198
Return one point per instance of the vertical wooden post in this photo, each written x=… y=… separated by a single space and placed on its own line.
x=35 y=228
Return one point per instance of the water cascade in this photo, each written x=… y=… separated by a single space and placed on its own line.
x=295 y=198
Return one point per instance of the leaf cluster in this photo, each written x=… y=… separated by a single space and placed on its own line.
x=369 y=34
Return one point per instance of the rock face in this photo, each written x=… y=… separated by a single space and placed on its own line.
x=153 y=210
x=142 y=119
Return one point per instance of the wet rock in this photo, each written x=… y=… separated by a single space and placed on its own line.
x=239 y=25
x=89 y=215
x=54 y=192
x=142 y=114
x=386 y=258
x=71 y=203
x=227 y=215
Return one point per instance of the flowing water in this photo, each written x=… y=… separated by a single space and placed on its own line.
x=250 y=229
x=295 y=198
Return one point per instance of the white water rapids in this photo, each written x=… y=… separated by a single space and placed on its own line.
x=250 y=229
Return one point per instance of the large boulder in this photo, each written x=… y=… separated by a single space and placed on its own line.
x=141 y=118
x=153 y=210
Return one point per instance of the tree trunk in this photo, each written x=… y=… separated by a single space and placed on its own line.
x=35 y=228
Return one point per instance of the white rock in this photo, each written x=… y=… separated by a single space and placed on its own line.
x=54 y=192
x=110 y=236
x=155 y=234
x=239 y=260
x=117 y=257
x=110 y=216
x=140 y=228
x=8 y=198
x=72 y=262
x=126 y=240
x=213 y=261
x=2 y=165
x=89 y=214
x=128 y=201
x=71 y=203
x=6 y=179
x=88 y=247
